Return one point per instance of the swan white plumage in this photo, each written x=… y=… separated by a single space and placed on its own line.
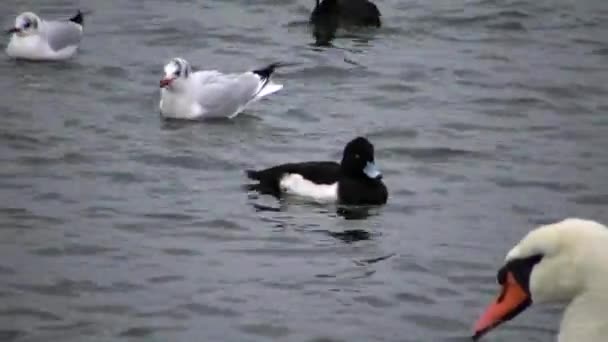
x=566 y=261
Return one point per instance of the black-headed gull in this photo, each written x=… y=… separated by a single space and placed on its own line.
x=210 y=93
x=36 y=39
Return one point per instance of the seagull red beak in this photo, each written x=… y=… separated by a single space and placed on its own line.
x=166 y=82
x=511 y=301
x=13 y=30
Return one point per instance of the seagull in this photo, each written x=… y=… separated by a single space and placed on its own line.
x=33 y=38
x=210 y=93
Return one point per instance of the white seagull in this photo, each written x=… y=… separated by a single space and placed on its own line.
x=210 y=93
x=36 y=39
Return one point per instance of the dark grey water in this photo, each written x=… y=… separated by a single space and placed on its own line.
x=489 y=117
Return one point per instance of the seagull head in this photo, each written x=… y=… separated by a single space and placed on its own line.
x=26 y=24
x=177 y=70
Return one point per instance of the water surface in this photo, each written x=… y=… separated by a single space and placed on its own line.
x=488 y=117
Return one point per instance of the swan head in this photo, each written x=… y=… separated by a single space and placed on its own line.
x=550 y=264
x=177 y=72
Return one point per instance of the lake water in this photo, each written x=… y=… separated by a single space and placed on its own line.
x=488 y=118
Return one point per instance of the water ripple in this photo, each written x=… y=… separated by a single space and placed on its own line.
x=207 y=310
x=429 y=153
x=30 y=313
x=72 y=250
x=69 y=288
x=116 y=225
x=145 y=331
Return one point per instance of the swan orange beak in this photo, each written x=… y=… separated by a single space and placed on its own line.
x=511 y=301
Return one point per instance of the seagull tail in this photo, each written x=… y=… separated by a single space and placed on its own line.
x=268 y=88
x=78 y=18
x=267 y=71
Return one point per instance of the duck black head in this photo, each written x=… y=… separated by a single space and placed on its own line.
x=358 y=160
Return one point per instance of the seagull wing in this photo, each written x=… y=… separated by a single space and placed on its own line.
x=225 y=95
x=62 y=34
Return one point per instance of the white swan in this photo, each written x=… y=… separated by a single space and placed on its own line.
x=566 y=261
